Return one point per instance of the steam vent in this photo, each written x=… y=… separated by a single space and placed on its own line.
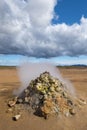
x=46 y=96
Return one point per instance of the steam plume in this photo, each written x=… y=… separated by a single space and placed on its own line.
x=29 y=71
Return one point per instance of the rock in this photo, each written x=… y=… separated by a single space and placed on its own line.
x=66 y=112
x=26 y=100
x=56 y=109
x=20 y=100
x=46 y=116
x=9 y=110
x=82 y=101
x=70 y=103
x=52 y=89
x=16 y=117
x=65 y=94
x=26 y=91
x=11 y=103
x=40 y=96
x=72 y=111
x=45 y=96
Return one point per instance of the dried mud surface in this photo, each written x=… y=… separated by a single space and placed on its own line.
x=10 y=81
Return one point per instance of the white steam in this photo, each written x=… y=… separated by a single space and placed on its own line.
x=29 y=71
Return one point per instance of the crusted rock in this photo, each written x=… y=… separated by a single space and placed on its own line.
x=47 y=95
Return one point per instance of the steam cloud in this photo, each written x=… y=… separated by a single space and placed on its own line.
x=26 y=28
x=29 y=71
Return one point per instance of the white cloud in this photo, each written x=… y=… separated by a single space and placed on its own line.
x=25 y=28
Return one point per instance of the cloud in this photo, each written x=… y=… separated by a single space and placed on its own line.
x=26 y=28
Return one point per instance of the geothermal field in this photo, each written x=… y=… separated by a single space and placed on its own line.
x=45 y=97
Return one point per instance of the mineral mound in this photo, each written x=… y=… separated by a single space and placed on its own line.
x=47 y=95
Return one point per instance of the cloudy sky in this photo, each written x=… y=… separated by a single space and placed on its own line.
x=43 y=30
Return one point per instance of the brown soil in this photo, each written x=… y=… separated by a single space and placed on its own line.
x=10 y=81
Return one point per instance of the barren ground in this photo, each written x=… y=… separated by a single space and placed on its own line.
x=10 y=81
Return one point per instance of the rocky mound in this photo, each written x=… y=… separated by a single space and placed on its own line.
x=47 y=95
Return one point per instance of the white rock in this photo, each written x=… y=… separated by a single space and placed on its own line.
x=16 y=117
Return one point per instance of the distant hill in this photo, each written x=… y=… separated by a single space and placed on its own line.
x=9 y=67
x=75 y=65
x=80 y=65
